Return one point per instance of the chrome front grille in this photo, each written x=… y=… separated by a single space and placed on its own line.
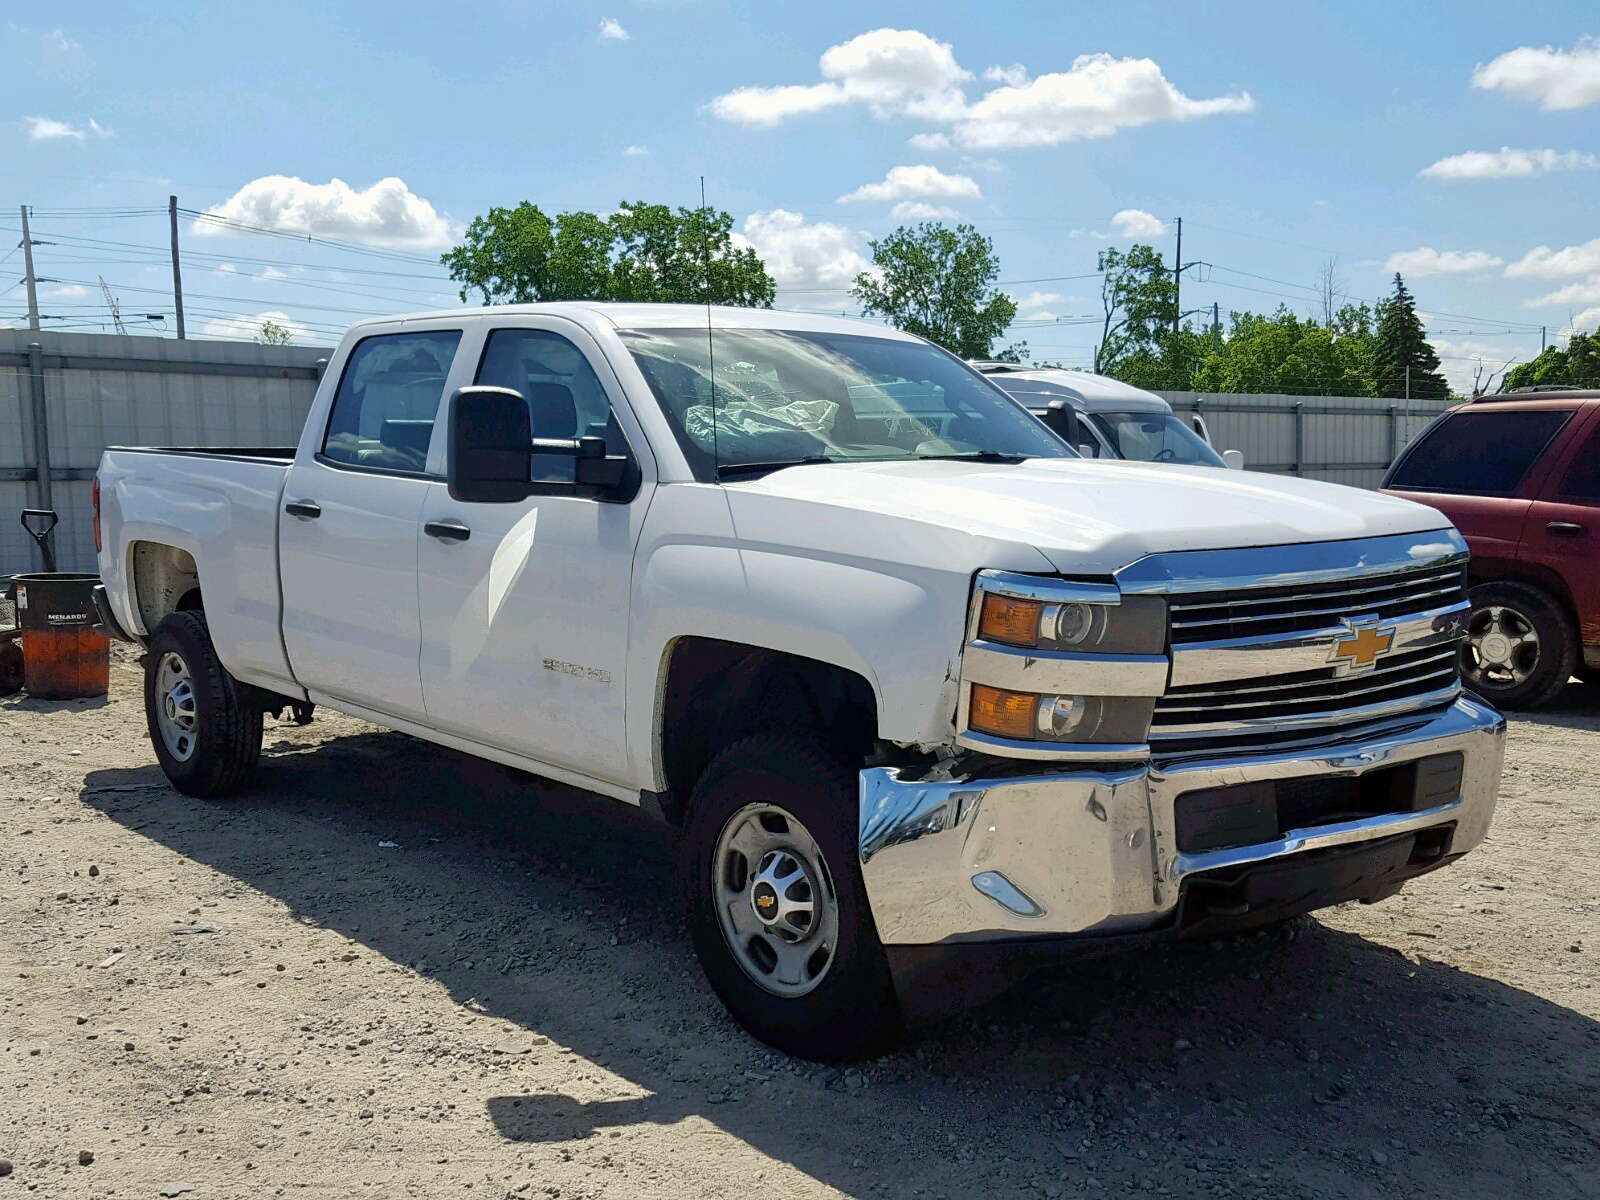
x=1269 y=611
x=1279 y=703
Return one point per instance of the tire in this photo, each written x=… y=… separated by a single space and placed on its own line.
x=207 y=740
x=836 y=1004
x=1520 y=648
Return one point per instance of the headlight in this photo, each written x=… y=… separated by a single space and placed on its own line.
x=1055 y=668
x=1030 y=717
x=1104 y=622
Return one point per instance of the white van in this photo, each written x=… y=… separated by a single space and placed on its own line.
x=1115 y=419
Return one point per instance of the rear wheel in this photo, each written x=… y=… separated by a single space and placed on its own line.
x=1520 y=648
x=769 y=870
x=207 y=741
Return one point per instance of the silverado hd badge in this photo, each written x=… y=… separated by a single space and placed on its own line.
x=1360 y=648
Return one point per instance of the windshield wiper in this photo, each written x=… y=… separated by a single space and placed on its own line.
x=987 y=456
x=761 y=468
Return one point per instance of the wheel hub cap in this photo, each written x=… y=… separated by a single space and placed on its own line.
x=1496 y=648
x=775 y=900
x=176 y=711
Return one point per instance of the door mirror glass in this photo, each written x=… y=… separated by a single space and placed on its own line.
x=1234 y=459
x=491 y=446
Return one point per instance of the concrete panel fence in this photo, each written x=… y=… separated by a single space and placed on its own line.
x=65 y=397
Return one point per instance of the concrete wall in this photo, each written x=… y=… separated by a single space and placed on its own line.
x=1343 y=439
x=110 y=390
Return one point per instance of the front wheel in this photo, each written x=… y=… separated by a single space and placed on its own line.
x=207 y=741
x=1520 y=647
x=769 y=871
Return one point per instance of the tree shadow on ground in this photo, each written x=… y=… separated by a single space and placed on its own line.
x=1297 y=1063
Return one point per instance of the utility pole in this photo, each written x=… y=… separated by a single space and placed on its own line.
x=1216 y=328
x=177 y=276
x=1177 y=280
x=1541 y=339
x=27 y=262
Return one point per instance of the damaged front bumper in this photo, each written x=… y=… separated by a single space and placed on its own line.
x=1086 y=854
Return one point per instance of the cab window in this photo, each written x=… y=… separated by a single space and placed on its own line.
x=389 y=395
x=565 y=397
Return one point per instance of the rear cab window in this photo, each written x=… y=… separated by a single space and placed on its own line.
x=388 y=398
x=1479 y=453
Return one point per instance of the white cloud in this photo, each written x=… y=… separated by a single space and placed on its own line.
x=901 y=72
x=63 y=291
x=247 y=329
x=227 y=268
x=635 y=152
x=1136 y=223
x=1095 y=98
x=48 y=129
x=270 y=275
x=921 y=210
x=892 y=71
x=386 y=214
x=58 y=40
x=1507 y=163
x=920 y=182
x=1427 y=261
x=1585 y=292
x=1458 y=360
x=1036 y=300
x=1588 y=321
x=1557 y=79
x=612 y=31
x=1544 y=263
x=805 y=255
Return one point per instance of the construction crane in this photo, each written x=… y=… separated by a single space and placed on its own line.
x=111 y=303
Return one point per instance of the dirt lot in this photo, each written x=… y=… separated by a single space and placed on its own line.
x=393 y=968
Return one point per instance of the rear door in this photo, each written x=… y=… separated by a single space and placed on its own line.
x=1563 y=529
x=350 y=523
x=1478 y=467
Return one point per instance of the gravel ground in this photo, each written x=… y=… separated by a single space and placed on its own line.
x=393 y=968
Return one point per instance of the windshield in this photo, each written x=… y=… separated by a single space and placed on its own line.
x=1155 y=437
x=783 y=397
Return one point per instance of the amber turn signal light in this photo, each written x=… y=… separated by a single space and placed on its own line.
x=1000 y=713
x=1009 y=620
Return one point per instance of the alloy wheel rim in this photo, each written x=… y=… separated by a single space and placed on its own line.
x=1502 y=648
x=775 y=898
x=176 y=707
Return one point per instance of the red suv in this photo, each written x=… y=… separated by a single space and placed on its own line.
x=1519 y=475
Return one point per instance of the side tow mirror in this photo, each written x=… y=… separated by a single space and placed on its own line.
x=490 y=456
x=1234 y=459
x=1062 y=419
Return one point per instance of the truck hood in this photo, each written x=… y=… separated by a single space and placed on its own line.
x=1084 y=517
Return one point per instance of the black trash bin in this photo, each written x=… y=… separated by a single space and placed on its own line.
x=65 y=656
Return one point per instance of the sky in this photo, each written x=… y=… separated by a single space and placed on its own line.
x=1457 y=143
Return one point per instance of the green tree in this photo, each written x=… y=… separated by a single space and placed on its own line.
x=1402 y=346
x=642 y=251
x=1576 y=364
x=1137 y=294
x=1283 y=353
x=273 y=334
x=938 y=283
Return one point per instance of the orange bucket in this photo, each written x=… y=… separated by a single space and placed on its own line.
x=64 y=655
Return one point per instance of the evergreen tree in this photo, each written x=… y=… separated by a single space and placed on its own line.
x=1401 y=343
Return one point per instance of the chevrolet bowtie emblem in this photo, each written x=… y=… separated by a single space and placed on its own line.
x=1361 y=647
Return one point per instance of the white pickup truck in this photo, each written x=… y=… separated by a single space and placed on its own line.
x=927 y=697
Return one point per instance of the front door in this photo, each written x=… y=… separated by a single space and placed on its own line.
x=348 y=534
x=525 y=605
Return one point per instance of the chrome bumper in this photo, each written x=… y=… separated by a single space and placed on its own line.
x=1095 y=852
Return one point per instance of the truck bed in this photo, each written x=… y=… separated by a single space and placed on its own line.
x=283 y=454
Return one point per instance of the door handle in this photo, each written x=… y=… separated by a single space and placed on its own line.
x=447 y=531
x=306 y=510
x=1565 y=529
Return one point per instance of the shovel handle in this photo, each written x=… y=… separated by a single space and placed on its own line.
x=46 y=515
